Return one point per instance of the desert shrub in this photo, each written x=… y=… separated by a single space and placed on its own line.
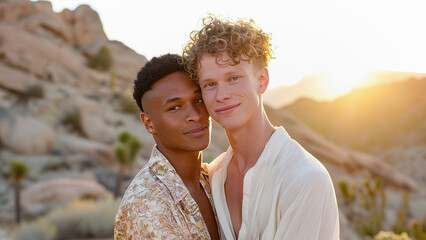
x=39 y=229
x=72 y=119
x=112 y=81
x=400 y=224
x=34 y=91
x=418 y=229
x=85 y=219
x=30 y=92
x=128 y=104
x=125 y=151
x=102 y=60
x=370 y=198
x=382 y=235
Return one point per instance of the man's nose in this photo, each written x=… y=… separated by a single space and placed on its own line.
x=193 y=114
x=222 y=93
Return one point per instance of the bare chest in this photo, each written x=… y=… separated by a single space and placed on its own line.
x=234 y=197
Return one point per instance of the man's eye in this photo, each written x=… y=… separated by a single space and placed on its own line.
x=200 y=100
x=208 y=85
x=174 y=108
x=234 y=78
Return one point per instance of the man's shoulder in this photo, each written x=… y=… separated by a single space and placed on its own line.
x=144 y=186
x=296 y=164
x=146 y=202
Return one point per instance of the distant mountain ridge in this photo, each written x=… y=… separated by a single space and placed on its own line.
x=314 y=86
x=371 y=118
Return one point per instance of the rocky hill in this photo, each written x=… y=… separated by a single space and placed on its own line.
x=65 y=95
x=370 y=119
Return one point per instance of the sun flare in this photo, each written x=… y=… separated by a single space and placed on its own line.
x=341 y=81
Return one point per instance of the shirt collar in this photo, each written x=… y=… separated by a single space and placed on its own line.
x=167 y=174
x=278 y=138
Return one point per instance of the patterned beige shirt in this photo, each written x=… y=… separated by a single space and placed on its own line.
x=157 y=205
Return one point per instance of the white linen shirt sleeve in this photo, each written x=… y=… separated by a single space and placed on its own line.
x=308 y=209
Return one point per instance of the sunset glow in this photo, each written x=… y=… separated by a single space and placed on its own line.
x=341 y=81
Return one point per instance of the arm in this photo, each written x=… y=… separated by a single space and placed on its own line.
x=309 y=209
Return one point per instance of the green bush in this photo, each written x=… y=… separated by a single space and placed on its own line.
x=382 y=235
x=418 y=229
x=72 y=119
x=128 y=104
x=371 y=200
x=39 y=229
x=34 y=91
x=125 y=151
x=102 y=60
x=31 y=92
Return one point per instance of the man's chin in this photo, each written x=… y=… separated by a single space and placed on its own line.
x=228 y=125
x=197 y=147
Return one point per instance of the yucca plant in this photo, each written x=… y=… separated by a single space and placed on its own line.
x=18 y=171
x=125 y=151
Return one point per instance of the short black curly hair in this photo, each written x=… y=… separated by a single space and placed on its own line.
x=154 y=70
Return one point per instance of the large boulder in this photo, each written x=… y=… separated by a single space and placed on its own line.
x=25 y=134
x=86 y=105
x=53 y=22
x=78 y=145
x=12 y=11
x=15 y=80
x=85 y=24
x=95 y=128
x=36 y=17
x=39 y=197
x=33 y=54
x=60 y=75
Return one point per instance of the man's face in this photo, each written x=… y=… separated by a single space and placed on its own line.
x=175 y=114
x=231 y=93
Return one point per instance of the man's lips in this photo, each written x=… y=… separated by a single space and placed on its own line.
x=195 y=132
x=226 y=109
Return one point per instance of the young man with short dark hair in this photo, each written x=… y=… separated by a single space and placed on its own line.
x=170 y=198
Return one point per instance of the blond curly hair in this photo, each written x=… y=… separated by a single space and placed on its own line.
x=241 y=40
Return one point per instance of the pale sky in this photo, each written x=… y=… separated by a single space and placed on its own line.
x=342 y=38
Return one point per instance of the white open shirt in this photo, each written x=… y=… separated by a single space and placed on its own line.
x=288 y=194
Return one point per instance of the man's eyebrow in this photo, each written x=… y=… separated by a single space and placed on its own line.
x=233 y=72
x=227 y=74
x=196 y=91
x=172 y=100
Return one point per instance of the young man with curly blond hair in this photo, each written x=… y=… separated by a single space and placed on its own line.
x=265 y=186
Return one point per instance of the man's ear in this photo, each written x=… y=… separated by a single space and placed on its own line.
x=263 y=79
x=147 y=122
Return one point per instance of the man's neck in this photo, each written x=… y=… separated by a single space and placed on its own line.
x=249 y=141
x=186 y=164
